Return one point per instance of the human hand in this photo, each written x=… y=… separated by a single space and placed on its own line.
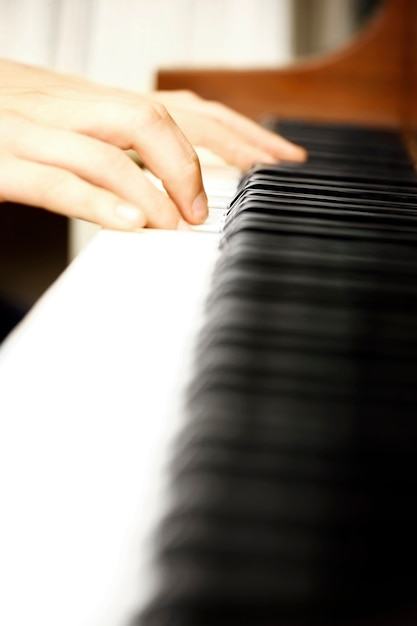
x=62 y=147
x=63 y=142
x=227 y=133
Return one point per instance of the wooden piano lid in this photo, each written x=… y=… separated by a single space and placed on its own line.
x=370 y=81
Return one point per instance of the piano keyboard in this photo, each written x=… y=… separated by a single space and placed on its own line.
x=292 y=480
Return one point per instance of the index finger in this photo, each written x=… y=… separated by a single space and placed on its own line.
x=148 y=128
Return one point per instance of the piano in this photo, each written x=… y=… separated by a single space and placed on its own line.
x=250 y=460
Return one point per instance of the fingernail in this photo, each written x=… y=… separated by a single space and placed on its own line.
x=130 y=215
x=200 y=207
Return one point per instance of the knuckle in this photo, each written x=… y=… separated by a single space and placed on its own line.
x=153 y=113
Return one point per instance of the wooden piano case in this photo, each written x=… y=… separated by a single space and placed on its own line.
x=370 y=81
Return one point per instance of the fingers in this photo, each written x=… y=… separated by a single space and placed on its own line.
x=128 y=123
x=152 y=133
x=233 y=136
x=61 y=191
x=270 y=142
x=97 y=122
x=221 y=140
x=78 y=176
x=145 y=127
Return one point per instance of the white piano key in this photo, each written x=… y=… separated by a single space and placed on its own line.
x=91 y=394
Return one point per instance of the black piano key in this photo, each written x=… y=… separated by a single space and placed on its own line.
x=330 y=176
x=292 y=482
x=259 y=224
x=322 y=191
x=256 y=203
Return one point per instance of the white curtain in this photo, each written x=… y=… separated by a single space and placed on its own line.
x=124 y=42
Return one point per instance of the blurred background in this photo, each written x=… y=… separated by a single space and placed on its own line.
x=124 y=43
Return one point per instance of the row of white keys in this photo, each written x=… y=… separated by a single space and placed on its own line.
x=90 y=399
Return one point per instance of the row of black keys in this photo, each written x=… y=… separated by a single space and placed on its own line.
x=293 y=481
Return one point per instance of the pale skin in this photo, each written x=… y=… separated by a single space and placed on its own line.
x=63 y=141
